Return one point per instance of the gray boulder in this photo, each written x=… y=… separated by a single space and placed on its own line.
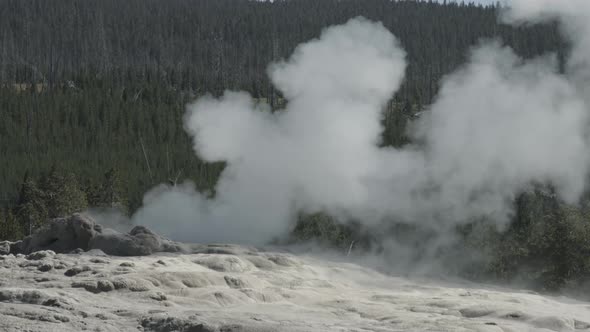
x=61 y=235
x=5 y=247
x=81 y=233
x=139 y=242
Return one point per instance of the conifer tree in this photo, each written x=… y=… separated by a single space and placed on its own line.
x=10 y=228
x=62 y=194
x=31 y=210
x=110 y=193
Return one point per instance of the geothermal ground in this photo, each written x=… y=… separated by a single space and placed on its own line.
x=232 y=288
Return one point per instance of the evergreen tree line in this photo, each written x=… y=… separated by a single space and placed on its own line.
x=87 y=131
x=212 y=45
x=57 y=194
x=89 y=85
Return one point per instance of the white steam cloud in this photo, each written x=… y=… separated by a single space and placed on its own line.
x=498 y=125
x=574 y=18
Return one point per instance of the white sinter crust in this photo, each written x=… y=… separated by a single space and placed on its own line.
x=231 y=288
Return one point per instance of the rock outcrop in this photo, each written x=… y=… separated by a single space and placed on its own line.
x=139 y=242
x=5 y=247
x=81 y=233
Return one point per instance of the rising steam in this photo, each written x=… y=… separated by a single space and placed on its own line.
x=498 y=125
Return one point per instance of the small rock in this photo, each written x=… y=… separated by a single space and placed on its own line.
x=55 y=302
x=30 y=264
x=477 y=311
x=101 y=316
x=4 y=247
x=176 y=324
x=59 y=266
x=76 y=270
x=23 y=296
x=234 y=282
x=131 y=284
x=127 y=264
x=158 y=296
x=90 y=286
x=44 y=279
x=61 y=318
x=105 y=286
x=45 y=267
x=98 y=261
x=94 y=286
x=38 y=255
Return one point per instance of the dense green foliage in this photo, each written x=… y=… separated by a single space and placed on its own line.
x=92 y=95
x=54 y=195
x=114 y=76
x=212 y=45
x=328 y=231
x=548 y=244
x=93 y=129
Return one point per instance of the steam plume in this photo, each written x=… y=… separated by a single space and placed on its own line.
x=315 y=154
x=498 y=125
